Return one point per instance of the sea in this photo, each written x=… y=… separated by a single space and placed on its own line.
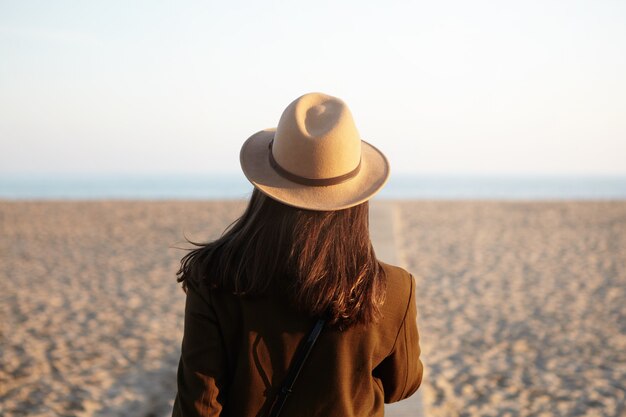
x=236 y=186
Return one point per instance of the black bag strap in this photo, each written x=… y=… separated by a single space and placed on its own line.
x=297 y=362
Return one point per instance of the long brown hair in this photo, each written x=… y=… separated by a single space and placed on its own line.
x=323 y=262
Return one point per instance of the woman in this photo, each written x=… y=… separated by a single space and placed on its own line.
x=301 y=251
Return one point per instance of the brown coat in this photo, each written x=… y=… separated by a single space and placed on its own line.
x=236 y=351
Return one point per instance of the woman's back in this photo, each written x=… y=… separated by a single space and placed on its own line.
x=238 y=349
x=301 y=251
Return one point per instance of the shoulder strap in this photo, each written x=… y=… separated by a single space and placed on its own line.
x=298 y=361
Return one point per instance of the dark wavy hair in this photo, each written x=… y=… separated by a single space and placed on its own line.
x=322 y=262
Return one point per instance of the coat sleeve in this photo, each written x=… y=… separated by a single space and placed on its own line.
x=401 y=372
x=201 y=369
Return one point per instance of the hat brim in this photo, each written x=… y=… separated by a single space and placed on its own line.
x=372 y=176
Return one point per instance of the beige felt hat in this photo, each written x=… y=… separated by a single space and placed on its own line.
x=315 y=158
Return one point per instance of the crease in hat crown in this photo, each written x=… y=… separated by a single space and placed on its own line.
x=317 y=138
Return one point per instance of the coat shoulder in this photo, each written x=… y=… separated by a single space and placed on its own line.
x=397 y=276
x=400 y=290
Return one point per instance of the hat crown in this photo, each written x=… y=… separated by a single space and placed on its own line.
x=316 y=138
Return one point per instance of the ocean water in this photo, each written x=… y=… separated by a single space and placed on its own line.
x=232 y=186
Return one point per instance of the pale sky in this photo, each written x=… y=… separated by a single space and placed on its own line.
x=480 y=87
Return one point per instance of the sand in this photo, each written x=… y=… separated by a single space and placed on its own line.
x=91 y=312
x=522 y=305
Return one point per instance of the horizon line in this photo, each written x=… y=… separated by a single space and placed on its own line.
x=232 y=174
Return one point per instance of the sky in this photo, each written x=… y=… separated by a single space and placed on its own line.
x=453 y=87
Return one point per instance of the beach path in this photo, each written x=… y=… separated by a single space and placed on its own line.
x=383 y=229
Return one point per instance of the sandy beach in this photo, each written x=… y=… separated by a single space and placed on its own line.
x=92 y=315
x=522 y=305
